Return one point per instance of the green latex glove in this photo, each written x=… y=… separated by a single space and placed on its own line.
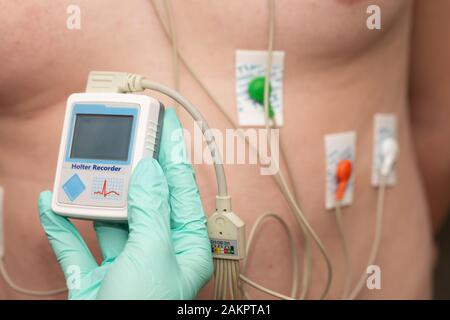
x=164 y=251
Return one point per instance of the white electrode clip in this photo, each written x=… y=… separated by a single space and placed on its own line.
x=390 y=150
x=226 y=231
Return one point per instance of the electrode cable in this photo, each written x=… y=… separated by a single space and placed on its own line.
x=170 y=17
x=345 y=249
x=280 y=180
x=377 y=237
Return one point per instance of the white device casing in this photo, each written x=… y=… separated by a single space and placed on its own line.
x=146 y=141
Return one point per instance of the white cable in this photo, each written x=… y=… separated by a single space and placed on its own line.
x=377 y=238
x=215 y=278
x=295 y=258
x=226 y=278
x=263 y=289
x=347 y=258
x=280 y=180
x=220 y=278
x=173 y=35
x=390 y=151
x=209 y=137
x=229 y=274
x=3 y=272
x=23 y=290
x=236 y=274
x=292 y=243
x=302 y=218
x=307 y=246
x=230 y=279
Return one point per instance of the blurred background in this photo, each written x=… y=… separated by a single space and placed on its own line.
x=442 y=271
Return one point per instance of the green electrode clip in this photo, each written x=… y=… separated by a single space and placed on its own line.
x=256 y=92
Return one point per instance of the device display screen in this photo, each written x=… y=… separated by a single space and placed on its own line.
x=101 y=137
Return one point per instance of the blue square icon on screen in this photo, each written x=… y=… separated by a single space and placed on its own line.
x=73 y=187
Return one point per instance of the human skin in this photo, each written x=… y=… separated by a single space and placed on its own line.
x=338 y=74
x=430 y=99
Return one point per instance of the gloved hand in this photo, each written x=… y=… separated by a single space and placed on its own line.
x=164 y=251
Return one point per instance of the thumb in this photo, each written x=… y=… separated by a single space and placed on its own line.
x=70 y=249
x=147 y=267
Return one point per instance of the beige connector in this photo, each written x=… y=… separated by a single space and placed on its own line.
x=227 y=235
x=114 y=82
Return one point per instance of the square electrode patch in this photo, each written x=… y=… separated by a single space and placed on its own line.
x=338 y=147
x=251 y=64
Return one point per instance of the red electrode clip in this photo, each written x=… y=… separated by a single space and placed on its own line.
x=343 y=174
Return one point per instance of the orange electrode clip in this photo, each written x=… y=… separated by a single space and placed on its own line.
x=343 y=173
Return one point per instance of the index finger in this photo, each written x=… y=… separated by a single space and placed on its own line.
x=187 y=219
x=184 y=195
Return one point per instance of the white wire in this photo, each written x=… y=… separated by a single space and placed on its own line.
x=222 y=266
x=302 y=218
x=292 y=243
x=225 y=279
x=4 y=273
x=23 y=290
x=264 y=289
x=226 y=274
x=218 y=278
x=215 y=278
x=345 y=249
x=230 y=279
x=173 y=35
x=377 y=237
x=236 y=273
x=198 y=117
x=278 y=177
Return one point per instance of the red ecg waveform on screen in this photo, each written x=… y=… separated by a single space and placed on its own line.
x=105 y=193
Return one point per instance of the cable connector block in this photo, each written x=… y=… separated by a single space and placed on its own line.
x=227 y=235
x=114 y=82
x=223 y=204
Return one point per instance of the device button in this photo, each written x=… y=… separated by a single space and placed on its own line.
x=73 y=187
